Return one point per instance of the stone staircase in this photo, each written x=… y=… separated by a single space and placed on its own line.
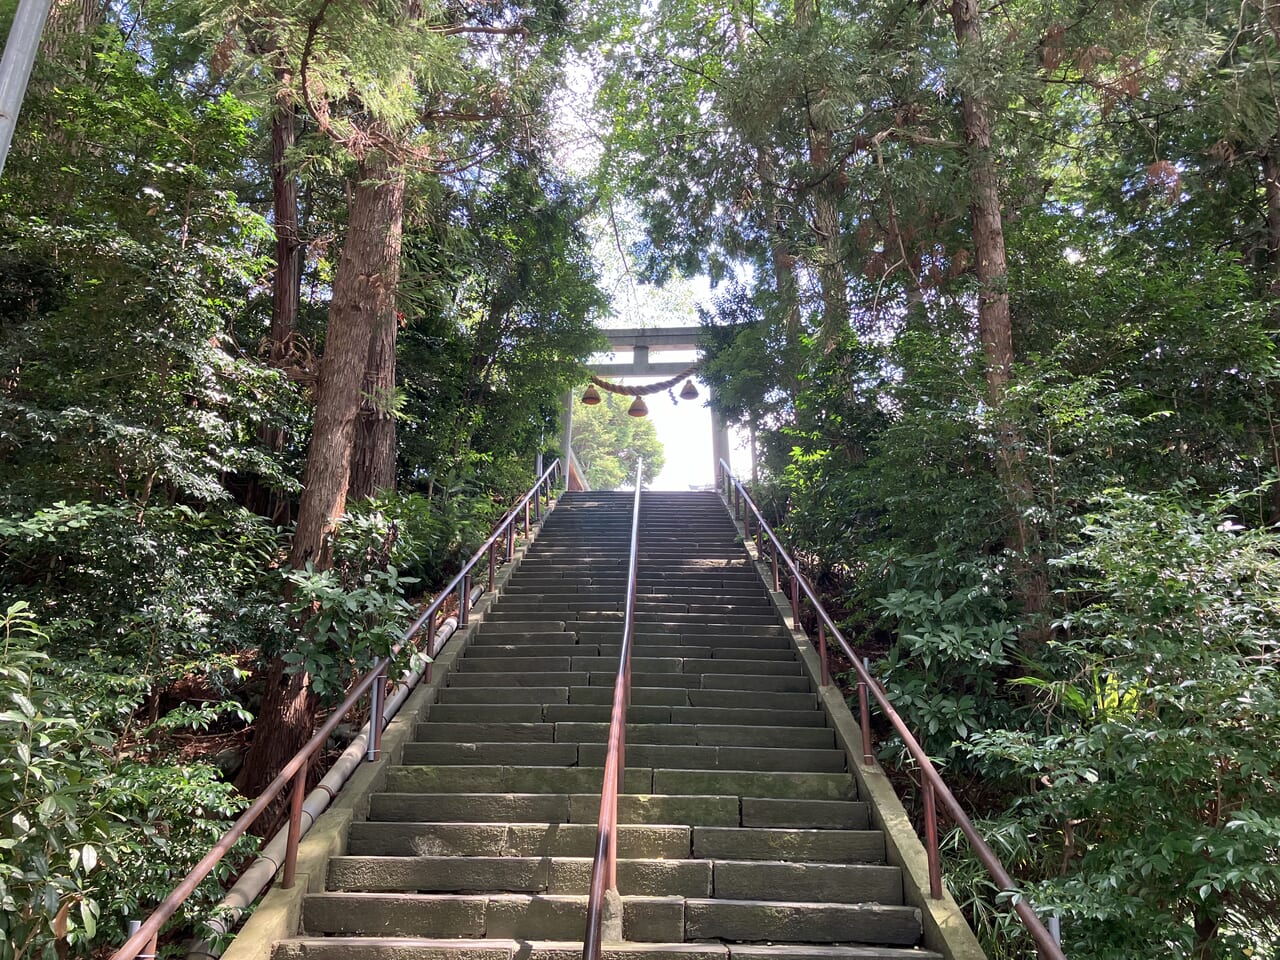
x=742 y=834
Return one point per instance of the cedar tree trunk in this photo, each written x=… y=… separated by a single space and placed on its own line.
x=995 y=327
x=362 y=290
x=373 y=459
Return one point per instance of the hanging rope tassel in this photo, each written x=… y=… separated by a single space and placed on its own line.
x=648 y=388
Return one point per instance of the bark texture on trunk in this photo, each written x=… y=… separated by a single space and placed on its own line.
x=995 y=325
x=1271 y=189
x=995 y=328
x=287 y=284
x=373 y=459
x=363 y=291
x=285 y=722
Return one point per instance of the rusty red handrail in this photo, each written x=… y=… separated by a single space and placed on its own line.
x=935 y=788
x=295 y=771
x=604 y=867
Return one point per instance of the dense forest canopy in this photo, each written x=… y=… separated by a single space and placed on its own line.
x=289 y=294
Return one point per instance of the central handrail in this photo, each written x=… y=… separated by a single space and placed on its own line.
x=604 y=868
x=934 y=785
x=373 y=682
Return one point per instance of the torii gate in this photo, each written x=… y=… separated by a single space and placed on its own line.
x=642 y=342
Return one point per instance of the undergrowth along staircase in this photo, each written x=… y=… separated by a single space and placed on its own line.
x=742 y=832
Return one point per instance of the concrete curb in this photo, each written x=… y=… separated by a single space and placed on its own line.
x=945 y=929
x=278 y=914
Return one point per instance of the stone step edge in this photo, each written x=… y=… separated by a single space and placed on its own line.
x=399 y=948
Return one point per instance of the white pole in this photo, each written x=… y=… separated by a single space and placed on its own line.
x=15 y=67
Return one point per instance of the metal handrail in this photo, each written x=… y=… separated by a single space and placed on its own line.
x=934 y=786
x=373 y=682
x=604 y=867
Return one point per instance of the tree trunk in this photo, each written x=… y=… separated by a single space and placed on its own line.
x=286 y=285
x=1271 y=187
x=995 y=326
x=826 y=206
x=362 y=290
x=373 y=460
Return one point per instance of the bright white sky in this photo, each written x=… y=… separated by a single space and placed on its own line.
x=685 y=431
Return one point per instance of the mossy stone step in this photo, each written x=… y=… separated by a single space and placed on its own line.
x=571 y=648
x=754 y=641
x=515 y=779
x=540 y=874
x=722 y=810
x=680 y=756
x=688 y=697
x=499 y=915
x=807 y=882
x=641 y=780
x=642 y=662
x=777 y=920
x=399 y=839
x=789 y=844
x=671 y=755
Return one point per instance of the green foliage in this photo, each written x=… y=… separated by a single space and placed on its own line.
x=1157 y=735
x=500 y=315
x=85 y=833
x=608 y=441
x=354 y=611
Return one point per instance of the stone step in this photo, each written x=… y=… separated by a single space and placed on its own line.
x=417 y=948
x=500 y=915
x=670 y=756
x=637 y=713
x=644 y=640
x=567 y=619
x=536 y=874
x=721 y=879
x=617 y=603
x=637 y=733
x=639 y=665
x=553 y=579
x=612 y=650
x=612 y=626
x=639 y=680
x=684 y=757
x=568 y=589
x=806 y=882
x=395 y=838
x=780 y=921
x=645 y=919
x=795 y=846
x=494 y=778
x=710 y=810
x=641 y=695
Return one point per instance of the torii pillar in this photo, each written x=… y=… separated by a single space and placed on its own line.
x=719 y=443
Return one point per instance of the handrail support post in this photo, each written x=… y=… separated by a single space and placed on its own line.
x=464 y=600
x=373 y=746
x=931 y=839
x=822 y=654
x=295 y=825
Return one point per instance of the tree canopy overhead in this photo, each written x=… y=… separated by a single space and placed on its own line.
x=289 y=293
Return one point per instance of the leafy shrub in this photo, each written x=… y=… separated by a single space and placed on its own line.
x=85 y=836
x=1157 y=729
